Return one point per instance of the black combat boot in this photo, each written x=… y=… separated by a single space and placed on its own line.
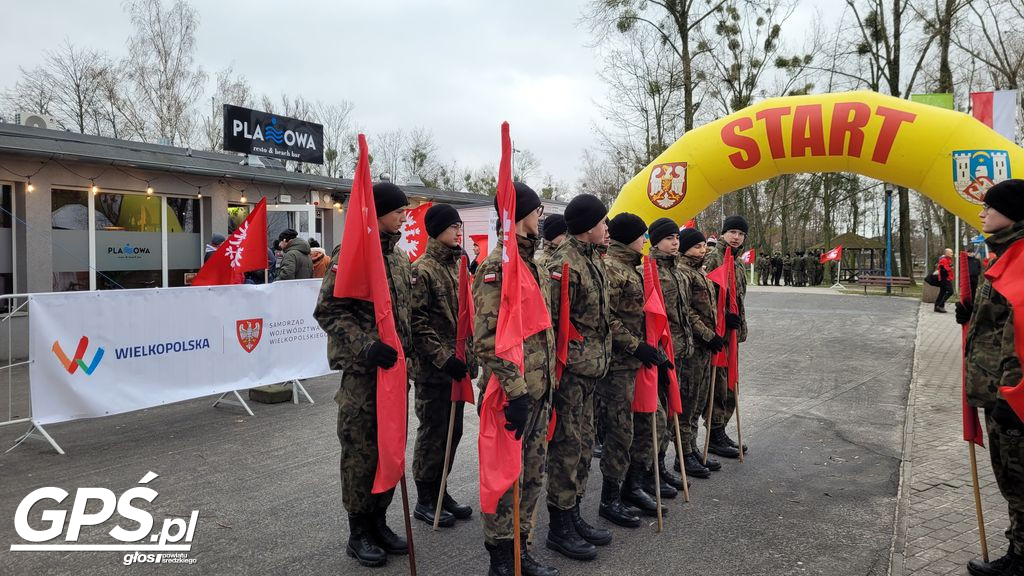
x=529 y=565
x=694 y=468
x=594 y=535
x=426 y=504
x=360 y=546
x=720 y=445
x=503 y=560
x=712 y=464
x=460 y=511
x=732 y=442
x=381 y=535
x=667 y=491
x=1000 y=567
x=633 y=494
x=669 y=476
x=612 y=508
x=563 y=538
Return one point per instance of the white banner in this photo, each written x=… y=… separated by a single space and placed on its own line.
x=102 y=353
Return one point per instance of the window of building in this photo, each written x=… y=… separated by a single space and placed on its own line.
x=184 y=239
x=129 y=241
x=70 y=239
x=6 y=239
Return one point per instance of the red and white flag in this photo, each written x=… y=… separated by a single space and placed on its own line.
x=245 y=250
x=361 y=274
x=833 y=255
x=462 y=390
x=1007 y=277
x=480 y=240
x=414 y=233
x=748 y=257
x=997 y=110
x=521 y=314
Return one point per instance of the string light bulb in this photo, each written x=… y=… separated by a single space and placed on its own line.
x=149 y=188
x=95 y=189
x=29 y=187
x=243 y=197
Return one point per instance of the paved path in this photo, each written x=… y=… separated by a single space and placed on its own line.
x=938 y=531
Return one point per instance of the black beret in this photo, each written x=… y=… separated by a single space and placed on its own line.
x=583 y=213
x=553 y=227
x=662 y=228
x=439 y=217
x=387 y=198
x=626 y=227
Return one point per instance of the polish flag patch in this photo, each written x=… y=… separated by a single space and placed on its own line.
x=490 y=277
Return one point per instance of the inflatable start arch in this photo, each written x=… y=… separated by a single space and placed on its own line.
x=948 y=156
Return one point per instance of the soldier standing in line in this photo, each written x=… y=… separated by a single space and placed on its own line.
x=799 y=270
x=572 y=445
x=734 y=233
x=553 y=231
x=813 y=268
x=695 y=371
x=992 y=362
x=787 y=269
x=435 y=313
x=614 y=396
x=353 y=346
x=776 y=267
x=664 y=236
x=528 y=392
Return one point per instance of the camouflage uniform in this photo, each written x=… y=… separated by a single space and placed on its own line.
x=787 y=269
x=673 y=288
x=572 y=445
x=725 y=399
x=536 y=380
x=799 y=270
x=811 y=267
x=763 y=269
x=695 y=374
x=435 y=311
x=351 y=328
x=992 y=362
x=614 y=396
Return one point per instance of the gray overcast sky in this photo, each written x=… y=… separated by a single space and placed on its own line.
x=457 y=67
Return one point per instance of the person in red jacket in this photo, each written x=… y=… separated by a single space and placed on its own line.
x=944 y=270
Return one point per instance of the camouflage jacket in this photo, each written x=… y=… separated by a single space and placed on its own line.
x=798 y=263
x=538 y=350
x=787 y=264
x=625 y=304
x=702 y=311
x=350 y=324
x=811 y=263
x=673 y=287
x=991 y=359
x=714 y=260
x=588 y=305
x=435 y=310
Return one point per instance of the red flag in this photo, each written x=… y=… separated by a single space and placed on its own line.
x=834 y=254
x=691 y=223
x=1007 y=277
x=243 y=251
x=656 y=332
x=521 y=314
x=462 y=390
x=725 y=277
x=414 y=235
x=480 y=240
x=748 y=257
x=366 y=279
x=972 y=424
x=566 y=331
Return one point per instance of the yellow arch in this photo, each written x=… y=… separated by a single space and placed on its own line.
x=915 y=145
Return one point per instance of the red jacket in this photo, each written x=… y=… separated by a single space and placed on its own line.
x=945 y=268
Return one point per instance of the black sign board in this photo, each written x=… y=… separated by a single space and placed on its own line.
x=262 y=134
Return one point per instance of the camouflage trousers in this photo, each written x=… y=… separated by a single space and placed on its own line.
x=613 y=407
x=1006 y=446
x=572 y=445
x=725 y=400
x=695 y=386
x=641 y=454
x=357 y=432
x=499 y=526
x=433 y=409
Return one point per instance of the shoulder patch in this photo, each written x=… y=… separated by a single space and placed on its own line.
x=334 y=268
x=556 y=275
x=413 y=279
x=490 y=277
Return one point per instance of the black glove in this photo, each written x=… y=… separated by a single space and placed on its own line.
x=715 y=344
x=516 y=413
x=1005 y=416
x=732 y=321
x=663 y=379
x=380 y=354
x=963 y=312
x=455 y=368
x=647 y=354
x=667 y=364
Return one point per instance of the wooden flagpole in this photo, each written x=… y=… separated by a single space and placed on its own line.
x=657 y=473
x=447 y=463
x=711 y=410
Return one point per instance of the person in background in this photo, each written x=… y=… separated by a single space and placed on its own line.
x=974 y=269
x=215 y=243
x=944 y=270
x=321 y=261
x=295 y=264
x=474 y=262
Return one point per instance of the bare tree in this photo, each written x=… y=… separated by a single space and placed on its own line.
x=32 y=93
x=386 y=153
x=166 y=80
x=337 y=123
x=525 y=165
x=420 y=156
x=231 y=89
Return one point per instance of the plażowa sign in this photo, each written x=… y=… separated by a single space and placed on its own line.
x=254 y=132
x=103 y=353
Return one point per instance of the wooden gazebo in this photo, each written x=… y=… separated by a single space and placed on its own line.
x=858 y=254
